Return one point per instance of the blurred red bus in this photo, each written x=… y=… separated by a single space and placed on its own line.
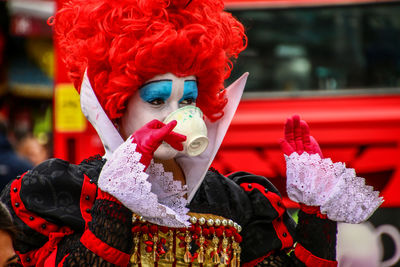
x=336 y=63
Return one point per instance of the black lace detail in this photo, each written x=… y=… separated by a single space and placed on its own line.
x=317 y=235
x=92 y=158
x=92 y=167
x=281 y=259
x=111 y=223
x=81 y=256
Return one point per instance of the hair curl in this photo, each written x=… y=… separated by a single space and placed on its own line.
x=124 y=43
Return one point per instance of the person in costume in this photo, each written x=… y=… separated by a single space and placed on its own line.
x=152 y=199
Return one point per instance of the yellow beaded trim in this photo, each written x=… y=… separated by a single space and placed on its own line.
x=215 y=240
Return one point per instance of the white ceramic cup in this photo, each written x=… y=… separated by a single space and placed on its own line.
x=360 y=245
x=191 y=124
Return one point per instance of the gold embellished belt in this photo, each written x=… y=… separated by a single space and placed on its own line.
x=210 y=240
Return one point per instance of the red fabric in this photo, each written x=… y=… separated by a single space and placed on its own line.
x=88 y=196
x=313 y=210
x=298 y=138
x=25 y=215
x=51 y=260
x=149 y=137
x=61 y=263
x=45 y=255
x=311 y=260
x=282 y=233
x=106 y=196
x=256 y=261
x=101 y=249
x=276 y=201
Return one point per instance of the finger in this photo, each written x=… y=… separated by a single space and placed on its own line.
x=289 y=136
x=316 y=147
x=297 y=135
x=176 y=144
x=175 y=140
x=175 y=137
x=286 y=148
x=305 y=132
x=155 y=124
x=161 y=133
x=171 y=125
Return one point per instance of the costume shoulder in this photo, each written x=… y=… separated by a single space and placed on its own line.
x=254 y=203
x=53 y=189
x=48 y=197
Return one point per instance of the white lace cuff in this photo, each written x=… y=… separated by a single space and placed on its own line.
x=161 y=202
x=337 y=190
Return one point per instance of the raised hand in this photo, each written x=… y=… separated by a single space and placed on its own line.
x=151 y=135
x=297 y=138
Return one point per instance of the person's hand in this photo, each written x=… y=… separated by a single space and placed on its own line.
x=151 y=135
x=297 y=138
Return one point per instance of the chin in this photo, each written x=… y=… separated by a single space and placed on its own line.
x=165 y=152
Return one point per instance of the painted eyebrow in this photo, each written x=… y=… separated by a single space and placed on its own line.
x=155 y=81
x=12 y=258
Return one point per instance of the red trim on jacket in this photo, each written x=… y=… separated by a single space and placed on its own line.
x=276 y=201
x=106 y=196
x=313 y=210
x=256 y=261
x=309 y=259
x=61 y=263
x=282 y=233
x=101 y=249
x=88 y=196
x=40 y=257
x=29 y=218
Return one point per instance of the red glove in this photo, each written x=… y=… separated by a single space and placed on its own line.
x=151 y=135
x=298 y=138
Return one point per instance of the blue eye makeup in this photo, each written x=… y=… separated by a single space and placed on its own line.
x=189 y=91
x=156 y=91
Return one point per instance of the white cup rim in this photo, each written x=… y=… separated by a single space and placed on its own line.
x=168 y=118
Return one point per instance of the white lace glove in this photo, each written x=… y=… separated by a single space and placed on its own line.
x=339 y=193
x=123 y=176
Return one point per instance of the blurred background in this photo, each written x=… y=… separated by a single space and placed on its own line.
x=336 y=63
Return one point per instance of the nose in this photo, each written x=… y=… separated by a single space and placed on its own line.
x=172 y=106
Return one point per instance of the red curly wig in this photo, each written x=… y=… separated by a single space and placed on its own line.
x=124 y=43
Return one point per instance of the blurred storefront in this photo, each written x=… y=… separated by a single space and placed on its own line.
x=27 y=70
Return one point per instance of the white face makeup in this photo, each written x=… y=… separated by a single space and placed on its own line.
x=156 y=99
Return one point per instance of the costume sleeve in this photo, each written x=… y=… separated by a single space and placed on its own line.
x=106 y=240
x=64 y=221
x=271 y=237
x=316 y=245
x=42 y=203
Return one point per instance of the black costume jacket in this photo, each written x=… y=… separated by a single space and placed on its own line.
x=64 y=222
